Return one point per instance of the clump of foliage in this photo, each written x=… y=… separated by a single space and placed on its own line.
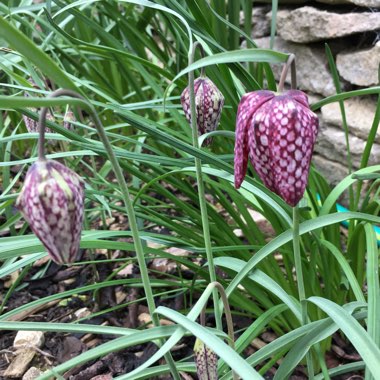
x=129 y=60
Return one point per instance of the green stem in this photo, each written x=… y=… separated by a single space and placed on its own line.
x=128 y=206
x=367 y=150
x=229 y=321
x=201 y=190
x=291 y=62
x=300 y=282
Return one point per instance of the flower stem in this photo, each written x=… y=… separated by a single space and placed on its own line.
x=300 y=282
x=41 y=129
x=128 y=206
x=228 y=315
x=291 y=62
x=201 y=190
x=200 y=47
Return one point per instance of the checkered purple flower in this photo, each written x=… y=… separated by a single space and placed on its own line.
x=278 y=134
x=209 y=102
x=52 y=202
x=206 y=361
x=32 y=125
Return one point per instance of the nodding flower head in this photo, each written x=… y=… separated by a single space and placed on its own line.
x=277 y=133
x=32 y=125
x=52 y=202
x=209 y=102
x=206 y=361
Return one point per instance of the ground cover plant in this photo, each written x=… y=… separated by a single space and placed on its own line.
x=172 y=255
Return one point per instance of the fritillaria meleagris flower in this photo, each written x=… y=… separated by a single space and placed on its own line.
x=32 y=125
x=68 y=119
x=52 y=202
x=206 y=361
x=278 y=133
x=209 y=102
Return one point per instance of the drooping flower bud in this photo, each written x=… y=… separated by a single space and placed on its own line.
x=278 y=133
x=52 y=202
x=68 y=119
x=32 y=125
x=209 y=102
x=205 y=361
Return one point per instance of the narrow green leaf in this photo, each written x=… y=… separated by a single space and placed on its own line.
x=345 y=95
x=287 y=236
x=235 y=56
x=302 y=347
x=67 y=327
x=12 y=102
x=342 y=186
x=346 y=268
x=358 y=337
x=27 y=48
x=373 y=284
x=258 y=326
x=342 y=369
x=133 y=339
x=285 y=341
x=264 y=280
x=176 y=336
x=144 y=3
x=315 y=334
x=223 y=350
x=273 y=23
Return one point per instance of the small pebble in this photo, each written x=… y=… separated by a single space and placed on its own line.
x=82 y=313
x=31 y=338
x=32 y=373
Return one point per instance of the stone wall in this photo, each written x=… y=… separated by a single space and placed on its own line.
x=351 y=28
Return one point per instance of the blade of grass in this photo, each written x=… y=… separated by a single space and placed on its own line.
x=286 y=236
x=358 y=337
x=224 y=351
x=27 y=48
x=247 y=55
x=373 y=327
x=345 y=95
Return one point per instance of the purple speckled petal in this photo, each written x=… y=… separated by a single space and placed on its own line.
x=249 y=104
x=281 y=140
x=52 y=202
x=209 y=102
x=32 y=125
x=206 y=361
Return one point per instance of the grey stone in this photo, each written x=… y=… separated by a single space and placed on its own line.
x=283 y=2
x=361 y=3
x=312 y=72
x=360 y=67
x=333 y=171
x=366 y=3
x=314 y=98
x=331 y=143
x=29 y=338
x=308 y=24
x=32 y=373
x=260 y=24
x=333 y=2
x=360 y=113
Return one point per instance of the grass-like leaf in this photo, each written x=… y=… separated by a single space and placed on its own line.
x=359 y=338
